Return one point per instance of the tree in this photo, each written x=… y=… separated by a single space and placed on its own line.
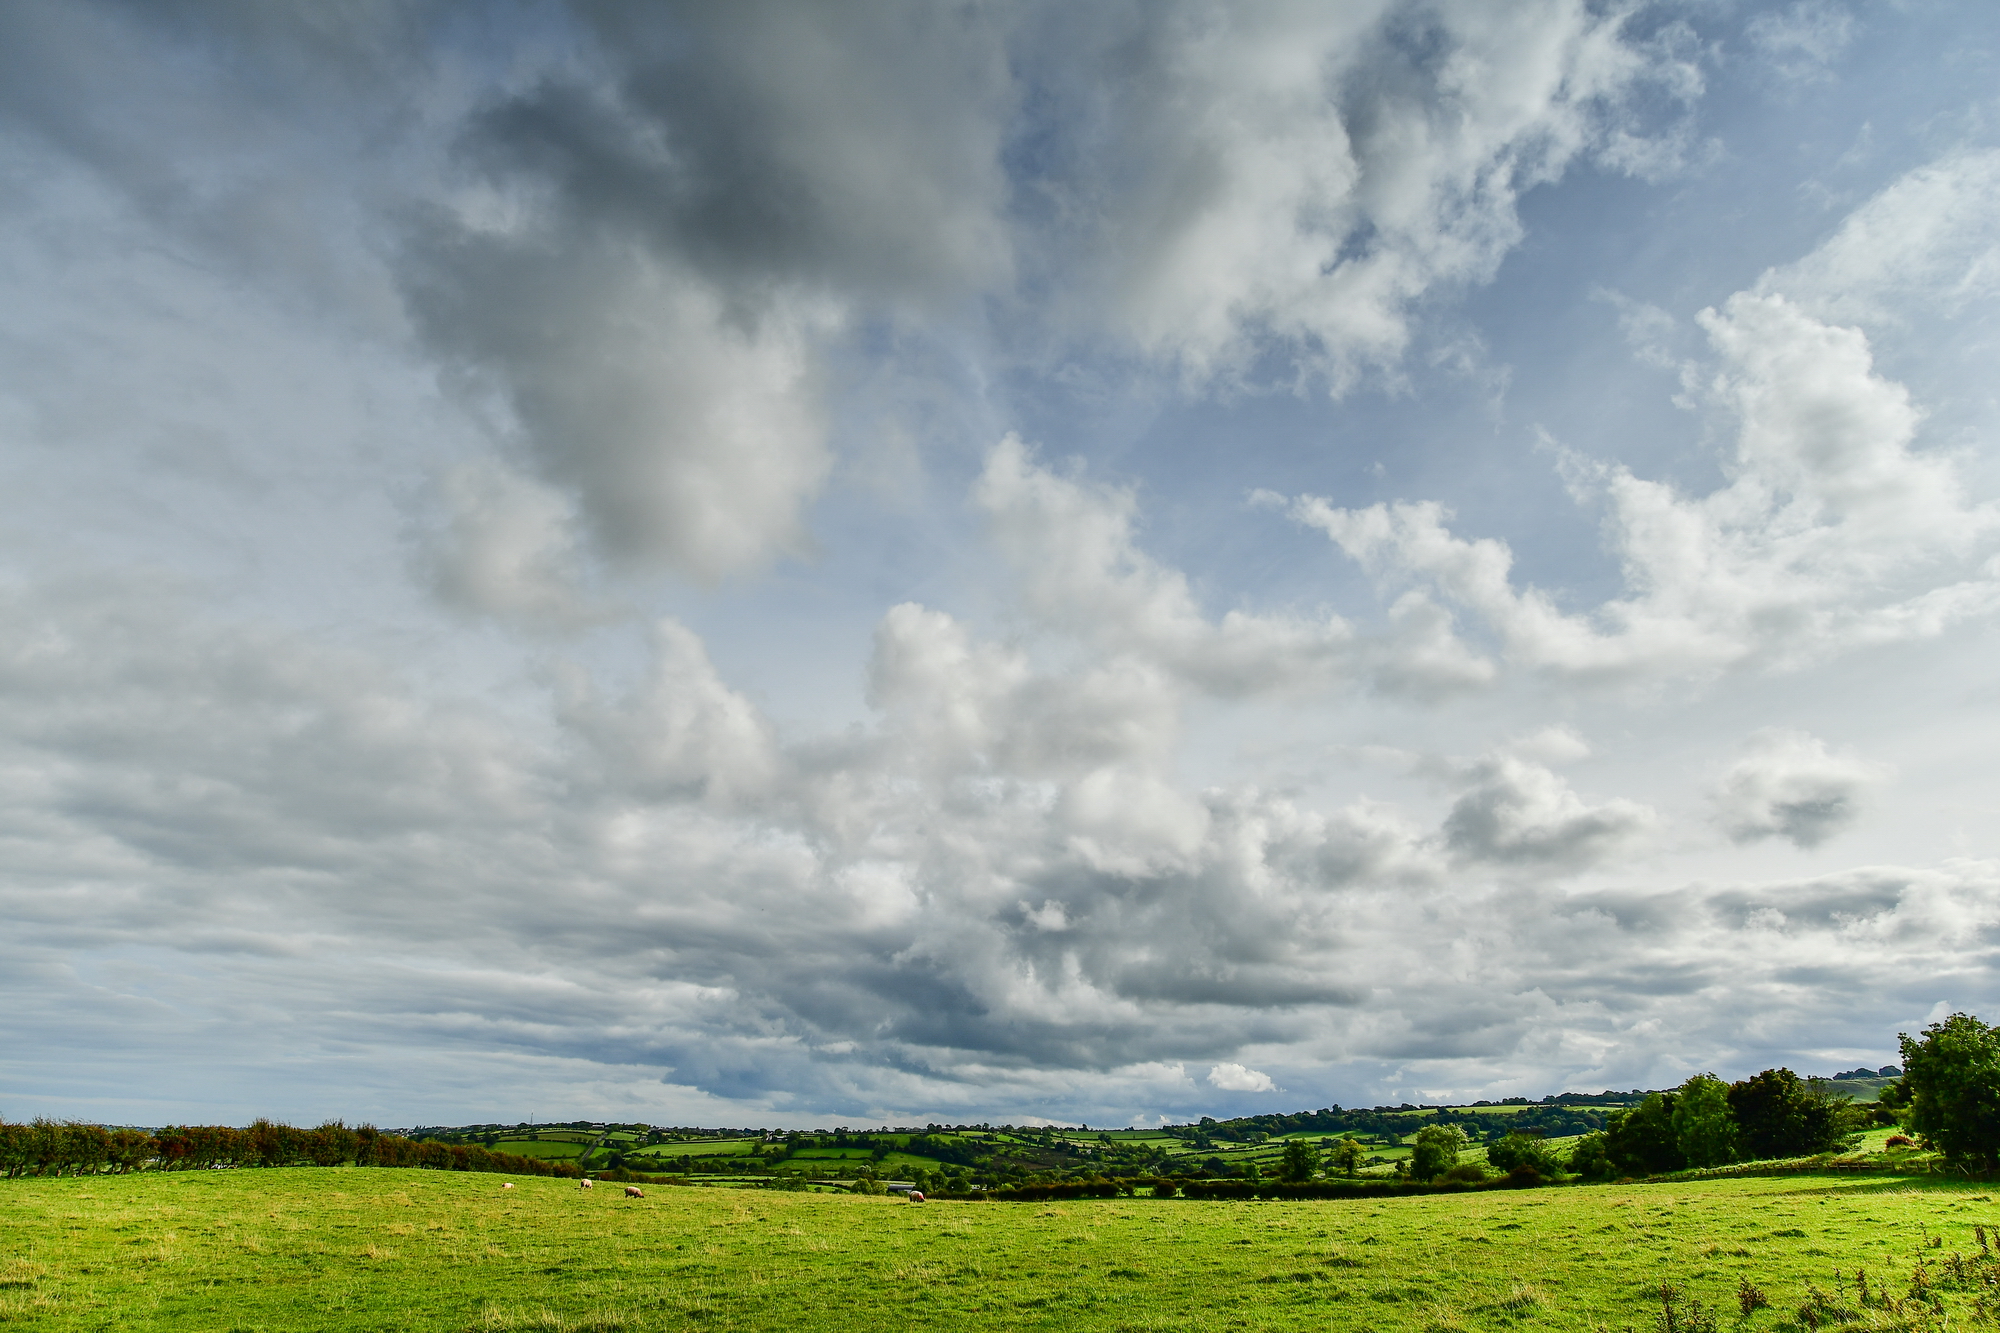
x=1778 y=1114
x=1300 y=1161
x=1640 y=1141
x=1952 y=1078
x=1589 y=1158
x=1435 y=1151
x=1519 y=1149
x=1704 y=1129
x=1347 y=1155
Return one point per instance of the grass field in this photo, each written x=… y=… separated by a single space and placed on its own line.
x=347 y=1248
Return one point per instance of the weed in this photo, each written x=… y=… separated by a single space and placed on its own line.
x=1750 y=1297
x=1821 y=1310
x=1680 y=1314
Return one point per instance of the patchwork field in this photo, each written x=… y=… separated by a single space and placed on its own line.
x=347 y=1248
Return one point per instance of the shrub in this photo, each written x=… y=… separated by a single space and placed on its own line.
x=1465 y=1173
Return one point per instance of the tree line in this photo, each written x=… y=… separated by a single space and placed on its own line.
x=1948 y=1097
x=46 y=1147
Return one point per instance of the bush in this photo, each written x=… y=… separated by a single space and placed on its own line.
x=1465 y=1173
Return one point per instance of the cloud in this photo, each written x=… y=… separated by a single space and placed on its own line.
x=509 y=551
x=1833 y=530
x=207 y=823
x=1083 y=572
x=1789 y=785
x=1926 y=243
x=682 y=734
x=660 y=258
x=1231 y=1077
x=691 y=434
x=1800 y=42
x=1275 y=178
x=643 y=240
x=1518 y=813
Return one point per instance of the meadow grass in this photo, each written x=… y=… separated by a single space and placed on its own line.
x=352 y=1248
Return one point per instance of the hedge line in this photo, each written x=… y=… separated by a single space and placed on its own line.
x=72 y=1148
x=1520 y=1178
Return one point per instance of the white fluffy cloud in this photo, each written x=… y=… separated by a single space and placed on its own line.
x=1834 y=527
x=1833 y=530
x=1305 y=176
x=1514 y=812
x=978 y=902
x=509 y=550
x=1232 y=1077
x=1789 y=785
x=1084 y=572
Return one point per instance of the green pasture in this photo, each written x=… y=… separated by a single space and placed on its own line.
x=349 y=1248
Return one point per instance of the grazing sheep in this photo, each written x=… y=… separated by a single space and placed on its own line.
x=583 y=1184
x=915 y=1196
x=634 y=1192
x=507 y=1185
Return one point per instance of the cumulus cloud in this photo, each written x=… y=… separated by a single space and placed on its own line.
x=1232 y=1077
x=1833 y=530
x=823 y=927
x=1789 y=785
x=639 y=237
x=1277 y=176
x=652 y=249
x=509 y=551
x=683 y=733
x=1083 y=571
x=1514 y=812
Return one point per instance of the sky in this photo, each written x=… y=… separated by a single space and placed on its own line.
x=785 y=564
